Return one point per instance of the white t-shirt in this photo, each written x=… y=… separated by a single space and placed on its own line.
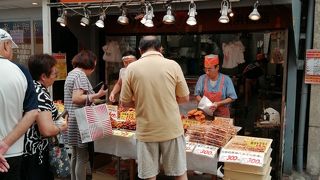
x=122 y=73
x=13 y=86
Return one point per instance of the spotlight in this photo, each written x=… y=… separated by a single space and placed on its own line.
x=149 y=17
x=123 y=20
x=192 y=14
x=224 y=12
x=100 y=22
x=85 y=19
x=230 y=12
x=254 y=15
x=62 y=19
x=168 y=18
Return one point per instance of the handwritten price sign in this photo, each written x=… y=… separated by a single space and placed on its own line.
x=113 y=111
x=242 y=157
x=128 y=115
x=122 y=133
x=205 y=150
x=190 y=146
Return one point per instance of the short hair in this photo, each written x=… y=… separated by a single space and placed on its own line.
x=148 y=42
x=85 y=59
x=41 y=64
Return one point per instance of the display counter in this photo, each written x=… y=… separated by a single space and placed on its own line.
x=123 y=144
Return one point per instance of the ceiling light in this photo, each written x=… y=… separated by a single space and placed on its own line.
x=224 y=12
x=230 y=12
x=85 y=19
x=35 y=3
x=254 y=15
x=123 y=18
x=168 y=18
x=100 y=22
x=62 y=19
x=149 y=17
x=192 y=14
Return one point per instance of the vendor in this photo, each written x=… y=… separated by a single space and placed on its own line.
x=217 y=87
x=127 y=58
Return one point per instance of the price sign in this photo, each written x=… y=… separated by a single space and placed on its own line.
x=113 y=111
x=205 y=150
x=242 y=157
x=122 y=133
x=190 y=146
x=128 y=115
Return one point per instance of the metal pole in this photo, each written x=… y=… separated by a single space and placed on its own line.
x=304 y=90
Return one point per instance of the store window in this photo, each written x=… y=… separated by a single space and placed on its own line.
x=28 y=36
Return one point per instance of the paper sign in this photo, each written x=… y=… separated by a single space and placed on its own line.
x=190 y=146
x=61 y=65
x=242 y=157
x=128 y=115
x=122 y=133
x=312 y=67
x=113 y=112
x=205 y=150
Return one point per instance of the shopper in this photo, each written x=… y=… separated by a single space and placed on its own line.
x=77 y=92
x=36 y=153
x=18 y=109
x=158 y=85
x=217 y=87
x=127 y=58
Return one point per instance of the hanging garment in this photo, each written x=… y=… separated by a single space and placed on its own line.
x=233 y=54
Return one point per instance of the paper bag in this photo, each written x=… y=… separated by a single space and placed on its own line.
x=93 y=122
x=205 y=105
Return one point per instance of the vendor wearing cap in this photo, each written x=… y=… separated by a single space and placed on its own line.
x=127 y=58
x=217 y=87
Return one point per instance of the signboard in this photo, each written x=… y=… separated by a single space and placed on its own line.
x=246 y=150
x=128 y=115
x=205 y=150
x=312 y=66
x=61 y=65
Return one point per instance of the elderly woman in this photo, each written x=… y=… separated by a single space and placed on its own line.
x=35 y=161
x=77 y=92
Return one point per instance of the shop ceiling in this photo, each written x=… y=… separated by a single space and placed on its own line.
x=201 y=4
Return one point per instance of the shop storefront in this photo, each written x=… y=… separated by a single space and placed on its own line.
x=261 y=95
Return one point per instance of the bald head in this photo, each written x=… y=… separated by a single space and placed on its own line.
x=149 y=43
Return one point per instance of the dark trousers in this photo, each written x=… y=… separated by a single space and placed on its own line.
x=15 y=169
x=34 y=169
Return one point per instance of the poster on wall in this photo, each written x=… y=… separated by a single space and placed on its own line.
x=61 y=65
x=312 y=66
x=21 y=35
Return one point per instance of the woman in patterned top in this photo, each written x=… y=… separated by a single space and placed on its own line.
x=35 y=162
x=77 y=92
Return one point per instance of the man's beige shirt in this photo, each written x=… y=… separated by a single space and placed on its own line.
x=155 y=82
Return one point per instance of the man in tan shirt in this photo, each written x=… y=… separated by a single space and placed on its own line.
x=158 y=85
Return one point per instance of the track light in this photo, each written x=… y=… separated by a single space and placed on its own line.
x=149 y=17
x=230 y=12
x=224 y=12
x=254 y=15
x=123 y=19
x=85 y=19
x=192 y=14
x=168 y=18
x=62 y=19
x=100 y=22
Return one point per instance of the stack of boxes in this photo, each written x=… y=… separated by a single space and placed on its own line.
x=247 y=158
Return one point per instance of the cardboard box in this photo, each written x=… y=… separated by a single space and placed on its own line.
x=248 y=169
x=246 y=150
x=234 y=175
